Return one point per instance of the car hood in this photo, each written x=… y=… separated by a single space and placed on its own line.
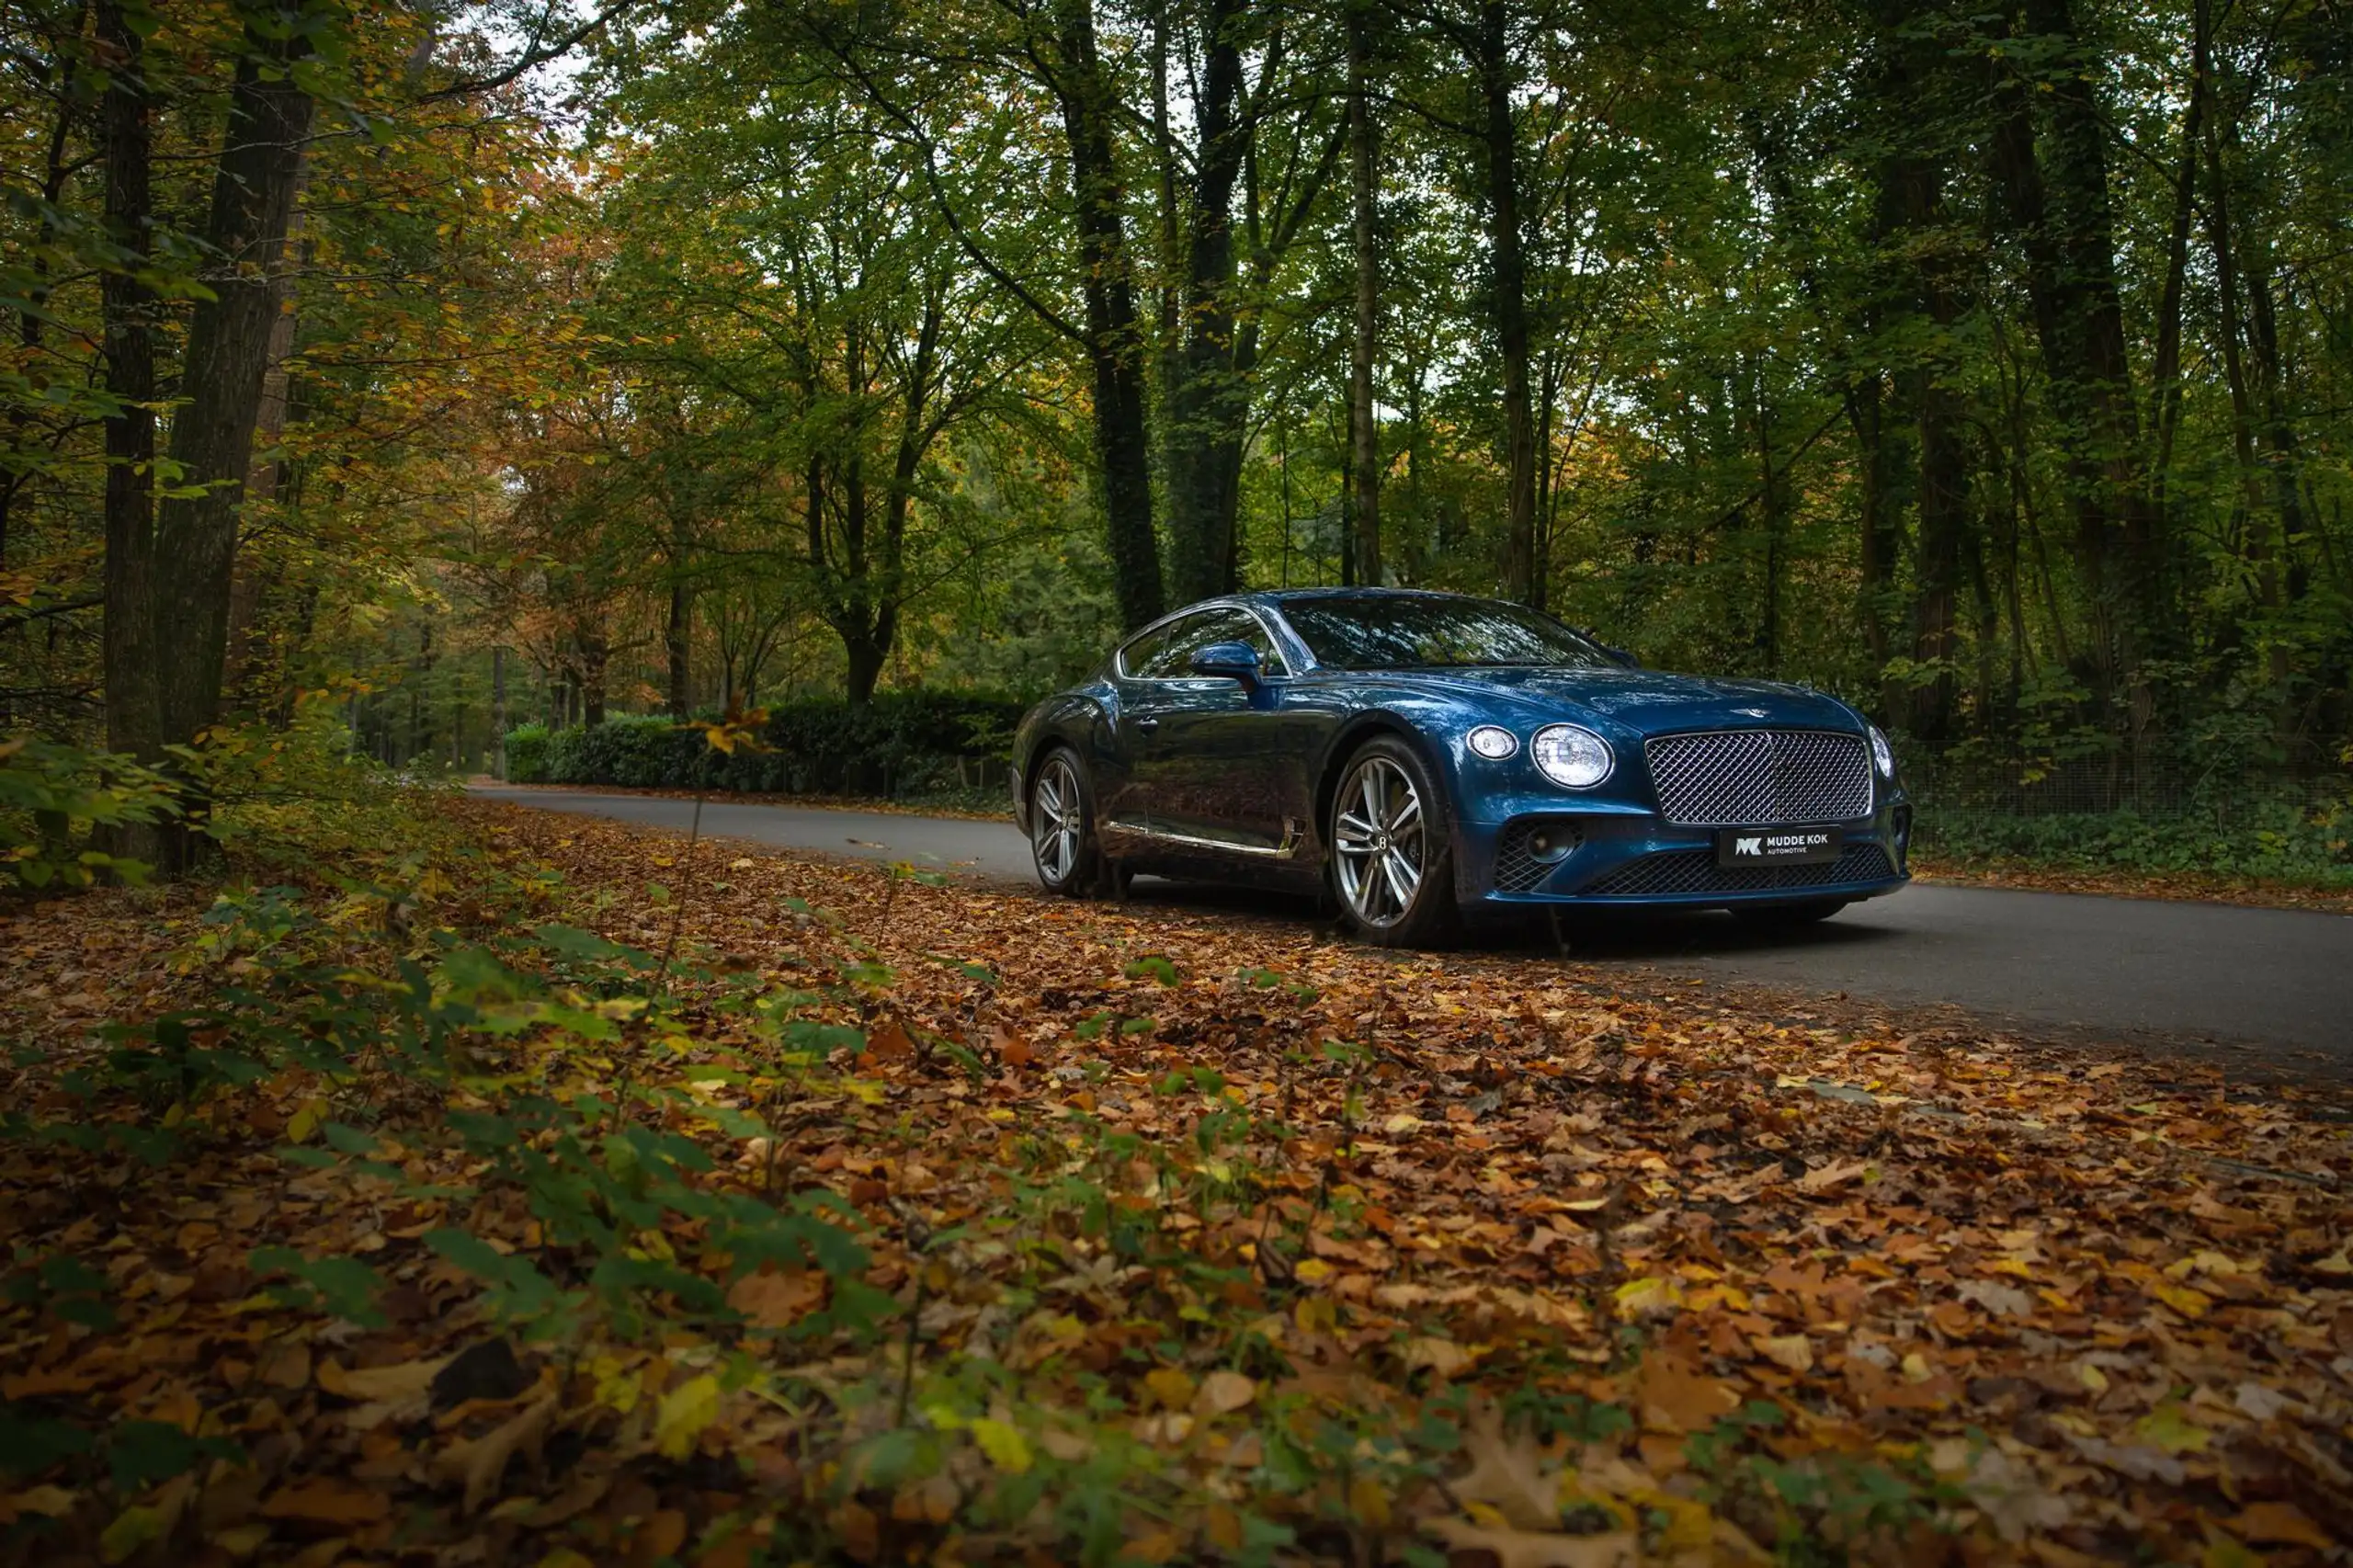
x=1653 y=702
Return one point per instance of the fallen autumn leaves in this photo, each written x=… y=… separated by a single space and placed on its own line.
x=908 y=1222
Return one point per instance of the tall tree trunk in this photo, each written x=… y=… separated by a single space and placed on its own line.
x=2166 y=373
x=1210 y=402
x=677 y=637
x=55 y=172
x=1364 y=184
x=133 y=696
x=1115 y=347
x=228 y=356
x=1497 y=77
x=2057 y=195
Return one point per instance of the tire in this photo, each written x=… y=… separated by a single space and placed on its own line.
x=1789 y=917
x=1063 y=843
x=1391 y=862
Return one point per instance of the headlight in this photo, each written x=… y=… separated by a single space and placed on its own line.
x=1570 y=756
x=1882 y=754
x=1493 y=742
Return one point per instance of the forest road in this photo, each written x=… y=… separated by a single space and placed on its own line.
x=2173 y=973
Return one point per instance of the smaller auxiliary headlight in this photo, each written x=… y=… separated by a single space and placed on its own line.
x=1493 y=742
x=1572 y=757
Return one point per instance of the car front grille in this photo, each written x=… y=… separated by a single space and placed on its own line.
x=1695 y=870
x=1517 y=867
x=1760 y=777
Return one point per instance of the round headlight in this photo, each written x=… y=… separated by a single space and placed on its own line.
x=1882 y=754
x=1570 y=756
x=1493 y=742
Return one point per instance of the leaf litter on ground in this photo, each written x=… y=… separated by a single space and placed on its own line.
x=900 y=1222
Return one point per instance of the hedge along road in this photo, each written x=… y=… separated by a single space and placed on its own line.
x=2171 y=971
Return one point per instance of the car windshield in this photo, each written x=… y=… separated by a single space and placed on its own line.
x=1381 y=632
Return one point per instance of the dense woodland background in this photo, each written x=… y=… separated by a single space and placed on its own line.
x=417 y=370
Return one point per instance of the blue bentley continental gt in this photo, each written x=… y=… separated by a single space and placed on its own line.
x=1426 y=756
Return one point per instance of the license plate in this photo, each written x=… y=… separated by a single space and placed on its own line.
x=1779 y=845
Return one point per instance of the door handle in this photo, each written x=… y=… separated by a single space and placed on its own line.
x=1147 y=724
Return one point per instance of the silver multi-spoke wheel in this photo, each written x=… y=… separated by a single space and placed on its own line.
x=1057 y=822
x=1381 y=841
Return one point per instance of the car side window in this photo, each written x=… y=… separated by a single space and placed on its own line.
x=1138 y=653
x=1172 y=658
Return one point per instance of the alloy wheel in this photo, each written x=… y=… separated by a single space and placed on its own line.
x=1380 y=845
x=1057 y=822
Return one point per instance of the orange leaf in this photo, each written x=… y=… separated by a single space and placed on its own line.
x=778 y=1301
x=2281 y=1524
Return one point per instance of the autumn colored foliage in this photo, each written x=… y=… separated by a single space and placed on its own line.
x=597 y=1197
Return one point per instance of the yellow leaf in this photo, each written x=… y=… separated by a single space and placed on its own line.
x=1649 y=1297
x=1171 y=1387
x=1007 y=1447
x=2092 y=1377
x=305 y=1123
x=2166 y=1428
x=1315 y=1271
x=132 y=1529
x=2188 y=1300
x=618 y=1389
x=686 y=1411
x=50 y=1502
x=1368 y=1502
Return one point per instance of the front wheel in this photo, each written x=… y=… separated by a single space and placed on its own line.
x=1061 y=828
x=1392 y=855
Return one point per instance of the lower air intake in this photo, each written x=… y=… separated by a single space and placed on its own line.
x=1695 y=870
x=1520 y=864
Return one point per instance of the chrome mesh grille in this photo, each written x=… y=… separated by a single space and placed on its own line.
x=1518 y=869
x=1695 y=870
x=1760 y=777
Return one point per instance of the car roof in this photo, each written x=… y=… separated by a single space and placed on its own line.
x=1294 y=595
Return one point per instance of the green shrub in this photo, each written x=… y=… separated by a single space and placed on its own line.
x=527 y=754
x=2281 y=840
x=901 y=743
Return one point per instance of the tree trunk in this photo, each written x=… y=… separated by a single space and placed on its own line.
x=2057 y=194
x=1115 y=348
x=55 y=172
x=1208 y=402
x=228 y=356
x=1364 y=181
x=133 y=700
x=677 y=632
x=1497 y=77
x=2165 y=375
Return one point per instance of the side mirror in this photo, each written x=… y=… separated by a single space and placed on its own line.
x=1233 y=661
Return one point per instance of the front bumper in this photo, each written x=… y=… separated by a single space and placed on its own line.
x=1539 y=851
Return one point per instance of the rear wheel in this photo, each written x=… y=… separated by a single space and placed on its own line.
x=1788 y=917
x=1061 y=826
x=1392 y=856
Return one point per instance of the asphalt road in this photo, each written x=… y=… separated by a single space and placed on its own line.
x=2111 y=967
